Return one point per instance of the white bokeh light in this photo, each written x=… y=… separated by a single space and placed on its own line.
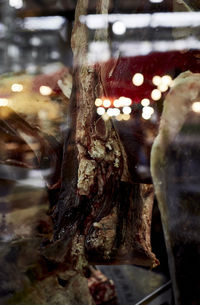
x=196 y=107
x=156 y=80
x=167 y=80
x=145 y=102
x=119 y=28
x=138 y=79
x=17 y=87
x=100 y=110
x=163 y=87
x=98 y=102
x=156 y=94
x=16 y=3
x=126 y=110
x=4 y=102
x=106 y=103
x=45 y=90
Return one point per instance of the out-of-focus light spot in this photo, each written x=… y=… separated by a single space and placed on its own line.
x=31 y=68
x=196 y=107
x=35 y=41
x=167 y=80
x=4 y=102
x=156 y=80
x=156 y=1
x=54 y=55
x=98 y=102
x=106 y=103
x=44 y=23
x=156 y=94
x=45 y=90
x=119 y=117
x=138 y=79
x=125 y=101
x=163 y=87
x=100 y=110
x=16 y=3
x=119 y=28
x=148 y=110
x=146 y=116
x=116 y=111
x=105 y=117
x=117 y=103
x=126 y=117
x=145 y=102
x=17 y=87
x=110 y=112
x=126 y=110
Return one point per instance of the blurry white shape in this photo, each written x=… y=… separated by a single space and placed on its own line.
x=126 y=110
x=98 y=102
x=113 y=112
x=98 y=22
x=163 y=87
x=196 y=107
x=145 y=102
x=138 y=79
x=105 y=116
x=167 y=80
x=125 y=101
x=106 y=103
x=100 y=110
x=156 y=80
x=119 y=117
x=117 y=103
x=126 y=117
x=148 y=110
x=45 y=90
x=16 y=3
x=143 y=48
x=17 y=87
x=54 y=54
x=35 y=41
x=31 y=68
x=156 y=1
x=98 y=51
x=134 y=48
x=116 y=111
x=119 y=28
x=176 y=19
x=146 y=115
x=51 y=67
x=156 y=94
x=13 y=51
x=44 y=23
x=110 y=112
x=4 y=102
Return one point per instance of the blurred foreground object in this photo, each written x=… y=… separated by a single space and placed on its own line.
x=175 y=170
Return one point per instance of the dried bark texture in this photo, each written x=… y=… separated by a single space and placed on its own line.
x=100 y=211
x=175 y=170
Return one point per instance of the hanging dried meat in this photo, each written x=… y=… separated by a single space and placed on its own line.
x=100 y=213
x=176 y=170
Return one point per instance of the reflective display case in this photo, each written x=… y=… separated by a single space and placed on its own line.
x=99 y=162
